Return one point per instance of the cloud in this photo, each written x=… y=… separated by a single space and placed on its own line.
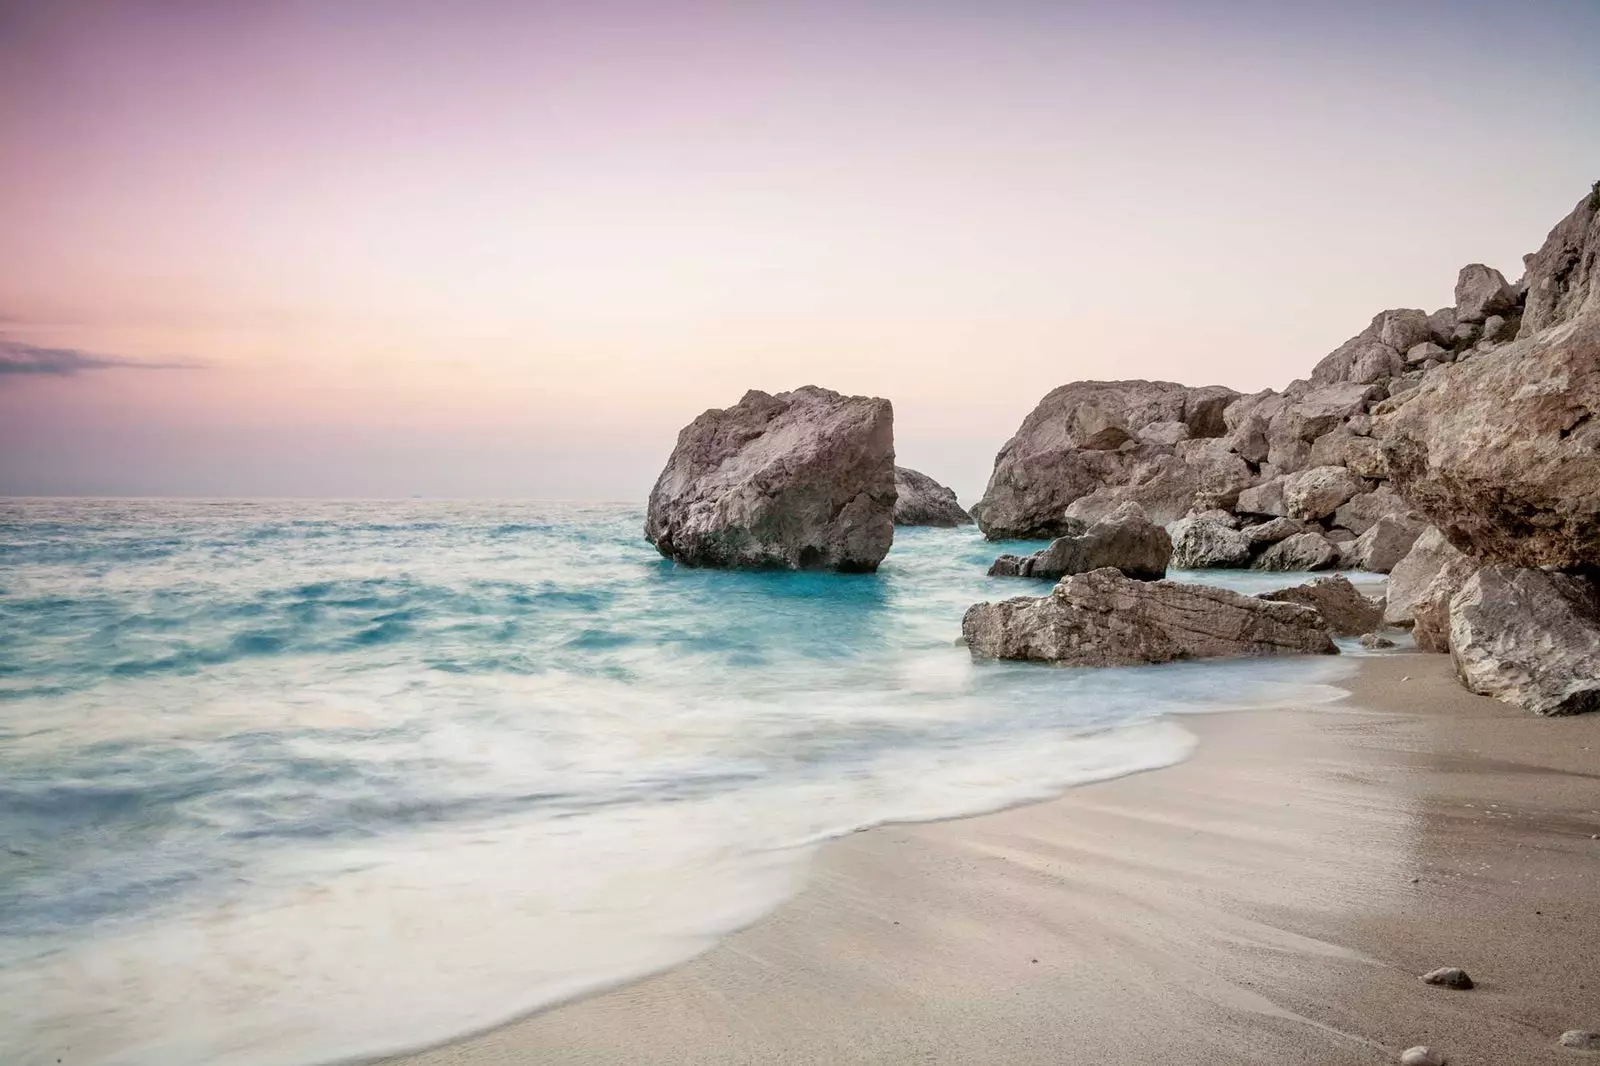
x=19 y=358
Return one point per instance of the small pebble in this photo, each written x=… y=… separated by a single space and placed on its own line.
x=1581 y=1040
x=1448 y=976
x=1421 y=1056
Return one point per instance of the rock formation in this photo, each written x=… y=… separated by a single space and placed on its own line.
x=1302 y=551
x=1086 y=437
x=1200 y=543
x=921 y=501
x=801 y=480
x=1530 y=637
x=1125 y=540
x=1345 y=610
x=1103 y=618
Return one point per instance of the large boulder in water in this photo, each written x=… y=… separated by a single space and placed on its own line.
x=1502 y=451
x=1103 y=618
x=1529 y=637
x=1200 y=543
x=1126 y=541
x=921 y=501
x=800 y=480
x=1086 y=436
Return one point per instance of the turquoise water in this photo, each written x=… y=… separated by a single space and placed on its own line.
x=286 y=782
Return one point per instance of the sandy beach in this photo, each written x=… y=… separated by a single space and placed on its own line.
x=1271 y=900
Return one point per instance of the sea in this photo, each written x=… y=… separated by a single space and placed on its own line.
x=295 y=782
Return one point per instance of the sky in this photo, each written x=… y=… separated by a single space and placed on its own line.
x=499 y=249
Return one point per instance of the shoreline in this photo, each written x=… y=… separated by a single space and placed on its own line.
x=1253 y=903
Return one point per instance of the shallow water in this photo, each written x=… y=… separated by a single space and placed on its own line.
x=287 y=782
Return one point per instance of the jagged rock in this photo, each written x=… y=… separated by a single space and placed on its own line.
x=1418 y=354
x=1502 y=452
x=1303 y=551
x=1125 y=540
x=1363 y=509
x=922 y=501
x=1529 y=637
x=1103 y=618
x=1265 y=498
x=803 y=480
x=1430 y=612
x=1497 y=328
x=1340 y=538
x=1384 y=543
x=1203 y=543
x=1083 y=437
x=1318 y=492
x=1413 y=575
x=1167 y=486
x=1227 y=518
x=1307 y=414
x=1563 y=276
x=1364 y=457
x=1375 y=641
x=1442 y=326
x=1375 y=352
x=1168 y=433
x=1332 y=448
x=1448 y=977
x=1272 y=532
x=1482 y=291
x=1346 y=611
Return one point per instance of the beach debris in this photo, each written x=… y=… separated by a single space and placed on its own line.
x=1580 y=1040
x=1421 y=1056
x=1375 y=640
x=1448 y=977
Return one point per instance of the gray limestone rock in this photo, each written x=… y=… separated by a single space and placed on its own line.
x=802 y=480
x=1384 y=544
x=921 y=501
x=1125 y=540
x=1528 y=637
x=1345 y=610
x=1482 y=291
x=1319 y=491
x=1204 y=543
x=1302 y=551
x=1103 y=618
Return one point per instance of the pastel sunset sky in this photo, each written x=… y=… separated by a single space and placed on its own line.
x=508 y=249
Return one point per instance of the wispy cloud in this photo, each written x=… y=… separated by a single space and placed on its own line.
x=19 y=358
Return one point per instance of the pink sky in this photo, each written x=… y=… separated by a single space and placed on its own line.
x=508 y=249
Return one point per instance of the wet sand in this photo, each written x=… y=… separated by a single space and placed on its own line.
x=1272 y=900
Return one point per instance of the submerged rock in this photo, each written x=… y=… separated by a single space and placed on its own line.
x=1103 y=618
x=1125 y=540
x=1375 y=641
x=800 y=480
x=1529 y=637
x=921 y=501
x=1345 y=610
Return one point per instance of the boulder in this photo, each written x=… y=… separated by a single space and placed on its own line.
x=1419 y=354
x=1482 y=291
x=1529 y=637
x=1364 y=457
x=1442 y=326
x=1318 y=492
x=1384 y=543
x=1271 y=532
x=1363 y=509
x=921 y=501
x=1197 y=472
x=1302 y=551
x=1375 y=641
x=1204 y=543
x=1084 y=437
x=802 y=480
x=1248 y=419
x=1103 y=618
x=1429 y=555
x=1346 y=611
x=1265 y=498
x=1502 y=451
x=1375 y=352
x=1563 y=276
x=1125 y=540
x=1430 y=611
x=1168 y=433
x=1309 y=413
